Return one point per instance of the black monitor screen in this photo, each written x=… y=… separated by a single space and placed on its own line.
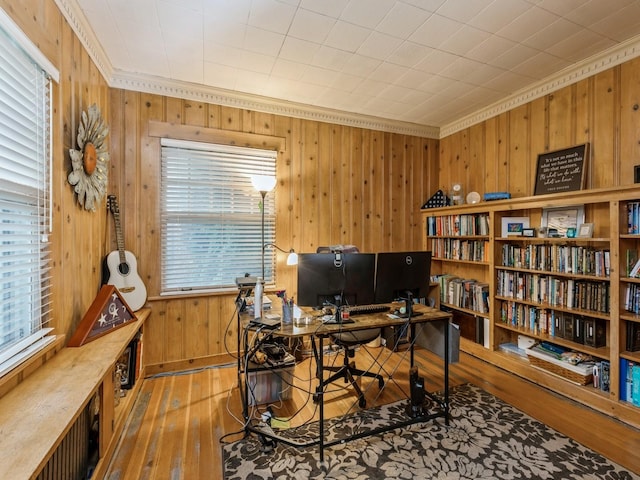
x=346 y=278
x=400 y=272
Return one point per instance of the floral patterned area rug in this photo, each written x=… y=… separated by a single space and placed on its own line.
x=486 y=439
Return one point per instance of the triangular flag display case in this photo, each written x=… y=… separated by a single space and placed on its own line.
x=107 y=312
x=438 y=199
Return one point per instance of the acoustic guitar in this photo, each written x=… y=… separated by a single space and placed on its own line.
x=121 y=266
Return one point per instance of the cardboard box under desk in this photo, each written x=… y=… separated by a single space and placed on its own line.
x=269 y=384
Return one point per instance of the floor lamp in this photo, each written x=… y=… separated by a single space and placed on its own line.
x=264 y=184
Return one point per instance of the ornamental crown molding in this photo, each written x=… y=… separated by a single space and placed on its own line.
x=80 y=25
x=573 y=74
x=202 y=93
x=162 y=86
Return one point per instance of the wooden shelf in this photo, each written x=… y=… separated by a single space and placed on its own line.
x=606 y=209
x=36 y=415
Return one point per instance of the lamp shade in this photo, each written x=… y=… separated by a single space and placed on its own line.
x=292 y=258
x=263 y=183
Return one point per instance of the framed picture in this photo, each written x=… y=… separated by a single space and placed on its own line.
x=562 y=218
x=585 y=230
x=514 y=226
x=528 y=232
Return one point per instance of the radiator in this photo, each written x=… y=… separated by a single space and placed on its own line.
x=70 y=461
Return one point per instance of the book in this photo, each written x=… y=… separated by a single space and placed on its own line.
x=635 y=270
x=633 y=336
x=635 y=384
x=631 y=260
x=605 y=378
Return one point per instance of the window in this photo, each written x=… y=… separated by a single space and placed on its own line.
x=25 y=305
x=211 y=215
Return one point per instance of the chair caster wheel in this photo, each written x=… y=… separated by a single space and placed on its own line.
x=362 y=402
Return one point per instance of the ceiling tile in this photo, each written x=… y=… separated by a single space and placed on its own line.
x=221 y=75
x=551 y=34
x=409 y=54
x=223 y=33
x=461 y=11
x=378 y=45
x=262 y=41
x=311 y=26
x=435 y=31
x=331 y=58
x=583 y=42
x=464 y=40
x=330 y=8
x=527 y=24
x=271 y=15
x=347 y=36
x=499 y=13
x=487 y=50
x=366 y=13
x=402 y=20
x=297 y=50
x=236 y=11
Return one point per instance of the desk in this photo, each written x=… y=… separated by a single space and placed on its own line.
x=320 y=331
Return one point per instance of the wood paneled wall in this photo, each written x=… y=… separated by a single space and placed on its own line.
x=500 y=154
x=79 y=238
x=336 y=184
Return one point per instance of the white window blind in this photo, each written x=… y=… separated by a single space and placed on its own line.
x=211 y=217
x=25 y=305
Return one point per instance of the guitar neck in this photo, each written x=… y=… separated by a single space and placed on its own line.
x=119 y=238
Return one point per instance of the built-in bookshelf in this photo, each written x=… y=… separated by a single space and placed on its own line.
x=578 y=293
x=460 y=265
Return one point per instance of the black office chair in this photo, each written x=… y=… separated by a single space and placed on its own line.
x=348 y=371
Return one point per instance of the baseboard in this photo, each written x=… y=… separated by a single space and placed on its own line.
x=188 y=364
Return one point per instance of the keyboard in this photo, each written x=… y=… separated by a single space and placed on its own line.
x=368 y=309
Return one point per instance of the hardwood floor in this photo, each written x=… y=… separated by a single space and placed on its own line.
x=178 y=422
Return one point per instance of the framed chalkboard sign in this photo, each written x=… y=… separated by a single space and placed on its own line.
x=562 y=170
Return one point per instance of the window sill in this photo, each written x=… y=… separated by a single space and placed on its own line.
x=26 y=368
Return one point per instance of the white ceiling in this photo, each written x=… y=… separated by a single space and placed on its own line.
x=425 y=62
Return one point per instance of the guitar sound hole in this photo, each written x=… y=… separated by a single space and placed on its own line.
x=123 y=268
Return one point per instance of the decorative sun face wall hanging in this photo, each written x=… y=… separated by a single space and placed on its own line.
x=89 y=174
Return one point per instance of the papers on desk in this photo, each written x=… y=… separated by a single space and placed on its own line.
x=266 y=302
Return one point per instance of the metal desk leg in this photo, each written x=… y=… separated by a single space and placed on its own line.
x=412 y=339
x=446 y=372
x=321 y=397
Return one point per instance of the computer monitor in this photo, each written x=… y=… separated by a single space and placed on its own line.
x=398 y=273
x=336 y=279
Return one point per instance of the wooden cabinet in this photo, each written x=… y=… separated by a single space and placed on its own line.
x=575 y=293
x=40 y=415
